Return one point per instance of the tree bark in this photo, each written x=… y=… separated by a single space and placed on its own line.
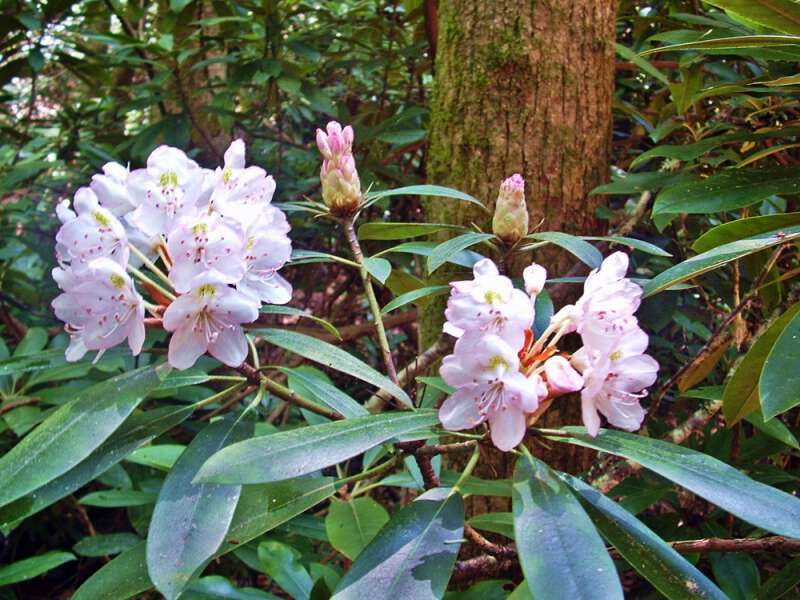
x=523 y=87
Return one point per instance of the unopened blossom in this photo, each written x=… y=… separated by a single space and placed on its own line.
x=510 y=221
x=562 y=378
x=111 y=189
x=241 y=192
x=208 y=319
x=534 y=277
x=206 y=243
x=268 y=248
x=341 y=187
x=484 y=369
x=489 y=303
x=100 y=308
x=615 y=379
x=166 y=190
x=90 y=232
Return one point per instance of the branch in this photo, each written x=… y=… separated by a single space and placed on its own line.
x=766 y=544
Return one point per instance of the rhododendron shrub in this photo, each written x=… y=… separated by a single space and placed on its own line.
x=176 y=271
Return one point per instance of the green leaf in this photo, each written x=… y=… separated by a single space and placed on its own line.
x=741 y=396
x=465 y=258
x=291 y=311
x=280 y=564
x=304 y=450
x=197 y=515
x=782 y=582
x=352 y=524
x=774 y=428
x=33 y=567
x=72 y=432
x=317 y=388
x=177 y=6
x=414 y=295
x=496 y=522
x=737 y=574
x=561 y=553
x=401 y=231
x=635 y=183
x=727 y=190
x=780 y=15
x=716 y=257
x=106 y=544
x=260 y=509
x=423 y=190
x=645 y=551
x=216 y=587
x=135 y=432
x=158 y=456
x=118 y=498
x=413 y=555
x=379 y=268
x=582 y=250
x=720 y=484
x=779 y=381
x=742 y=228
x=46 y=359
x=442 y=253
x=332 y=357
x=644 y=65
x=640 y=245
x=730 y=43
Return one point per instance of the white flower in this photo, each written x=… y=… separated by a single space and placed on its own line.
x=490 y=304
x=203 y=244
x=208 y=319
x=100 y=308
x=484 y=369
x=241 y=192
x=268 y=249
x=166 y=190
x=534 y=277
x=91 y=233
x=111 y=189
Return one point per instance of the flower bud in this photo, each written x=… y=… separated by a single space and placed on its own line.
x=341 y=187
x=534 y=277
x=510 y=222
x=561 y=376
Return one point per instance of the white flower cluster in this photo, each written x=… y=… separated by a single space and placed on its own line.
x=503 y=375
x=219 y=239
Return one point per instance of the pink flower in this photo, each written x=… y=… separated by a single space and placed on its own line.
x=208 y=319
x=341 y=187
x=268 y=249
x=111 y=190
x=241 y=192
x=615 y=379
x=100 y=307
x=166 y=190
x=490 y=304
x=561 y=377
x=484 y=369
x=91 y=233
x=203 y=244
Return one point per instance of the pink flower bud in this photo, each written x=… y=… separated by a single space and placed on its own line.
x=510 y=222
x=322 y=144
x=341 y=187
x=562 y=378
x=534 y=276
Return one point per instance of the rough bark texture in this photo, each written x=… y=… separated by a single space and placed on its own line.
x=524 y=87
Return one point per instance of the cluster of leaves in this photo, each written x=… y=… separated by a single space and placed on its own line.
x=123 y=459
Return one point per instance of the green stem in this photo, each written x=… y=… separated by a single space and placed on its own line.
x=473 y=461
x=286 y=394
x=383 y=341
x=374 y=471
x=150 y=265
x=219 y=395
x=142 y=277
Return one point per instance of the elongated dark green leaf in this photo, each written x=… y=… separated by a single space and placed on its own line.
x=414 y=295
x=280 y=563
x=737 y=574
x=721 y=484
x=118 y=498
x=561 y=553
x=654 y=559
x=301 y=451
x=46 y=359
x=190 y=521
x=633 y=183
x=260 y=509
x=423 y=190
x=716 y=257
x=779 y=383
x=727 y=190
x=132 y=434
x=741 y=396
x=216 y=587
x=581 y=249
x=72 y=432
x=316 y=388
x=731 y=43
x=644 y=65
x=780 y=15
x=401 y=231
x=106 y=544
x=29 y=568
x=742 y=228
x=496 y=522
x=332 y=357
x=640 y=245
x=465 y=258
x=273 y=309
x=442 y=253
x=413 y=555
x=782 y=582
x=352 y=524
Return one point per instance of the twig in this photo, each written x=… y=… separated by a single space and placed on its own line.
x=446 y=448
x=488 y=546
x=483 y=567
x=419 y=364
x=775 y=543
x=17 y=403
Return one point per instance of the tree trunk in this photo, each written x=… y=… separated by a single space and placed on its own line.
x=524 y=87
